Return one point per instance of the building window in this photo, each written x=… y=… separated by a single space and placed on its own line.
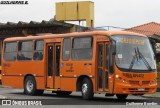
x=25 y=50
x=82 y=48
x=10 y=51
x=66 y=49
x=38 y=50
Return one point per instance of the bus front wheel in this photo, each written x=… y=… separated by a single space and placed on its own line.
x=121 y=96
x=30 y=86
x=87 y=89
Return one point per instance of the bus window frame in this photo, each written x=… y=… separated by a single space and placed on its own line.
x=27 y=51
x=4 y=45
x=34 y=41
x=92 y=43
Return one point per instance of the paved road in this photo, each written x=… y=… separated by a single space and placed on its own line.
x=49 y=98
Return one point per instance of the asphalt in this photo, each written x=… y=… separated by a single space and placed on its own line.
x=1 y=96
x=156 y=95
x=49 y=98
x=75 y=99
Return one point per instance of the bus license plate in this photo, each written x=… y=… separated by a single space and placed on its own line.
x=141 y=89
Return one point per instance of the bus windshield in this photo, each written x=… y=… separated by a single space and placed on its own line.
x=134 y=53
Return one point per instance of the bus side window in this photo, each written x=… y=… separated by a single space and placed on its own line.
x=38 y=50
x=10 y=51
x=82 y=48
x=25 y=50
x=66 y=49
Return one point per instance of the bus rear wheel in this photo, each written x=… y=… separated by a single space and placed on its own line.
x=87 y=89
x=121 y=96
x=30 y=86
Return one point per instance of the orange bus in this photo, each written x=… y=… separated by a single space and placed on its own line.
x=108 y=62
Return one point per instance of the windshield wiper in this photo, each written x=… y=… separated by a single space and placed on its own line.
x=133 y=59
x=139 y=55
x=144 y=59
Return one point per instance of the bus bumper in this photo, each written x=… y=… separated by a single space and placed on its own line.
x=130 y=89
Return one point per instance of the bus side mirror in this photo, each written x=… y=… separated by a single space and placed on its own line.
x=113 y=47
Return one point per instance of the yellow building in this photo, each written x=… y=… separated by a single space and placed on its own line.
x=76 y=11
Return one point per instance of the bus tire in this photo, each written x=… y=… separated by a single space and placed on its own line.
x=63 y=93
x=87 y=89
x=30 y=86
x=121 y=96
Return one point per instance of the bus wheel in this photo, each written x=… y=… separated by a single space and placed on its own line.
x=121 y=96
x=63 y=93
x=30 y=86
x=87 y=89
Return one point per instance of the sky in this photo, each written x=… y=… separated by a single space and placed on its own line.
x=119 y=13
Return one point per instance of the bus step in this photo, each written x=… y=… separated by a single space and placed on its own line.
x=48 y=89
x=102 y=92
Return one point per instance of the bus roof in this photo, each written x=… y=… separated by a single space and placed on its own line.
x=74 y=34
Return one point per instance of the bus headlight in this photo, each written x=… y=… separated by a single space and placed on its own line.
x=116 y=76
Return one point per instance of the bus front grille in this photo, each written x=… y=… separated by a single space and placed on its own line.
x=145 y=82
x=133 y=82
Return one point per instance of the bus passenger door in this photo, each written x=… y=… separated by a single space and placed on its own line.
x=100 y=68
x=103 y=66
x=57 y=65
x=50 y=65
x=53 y=65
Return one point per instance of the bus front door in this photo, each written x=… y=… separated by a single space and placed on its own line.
x=103 y=76
x=53 y=67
